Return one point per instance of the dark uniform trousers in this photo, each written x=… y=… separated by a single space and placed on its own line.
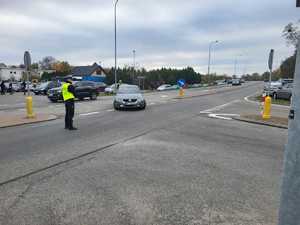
x=69 y=113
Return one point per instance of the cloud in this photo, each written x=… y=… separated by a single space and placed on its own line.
x=169 y=33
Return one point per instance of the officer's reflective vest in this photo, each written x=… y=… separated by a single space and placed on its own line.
x=65 y=92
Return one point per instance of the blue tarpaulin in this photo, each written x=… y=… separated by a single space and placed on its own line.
x=94 y=78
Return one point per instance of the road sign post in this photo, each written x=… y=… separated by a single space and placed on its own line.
x=268 y=100
x=181 y=84
x=271 y=56
x=290 y=194
x=27 y=63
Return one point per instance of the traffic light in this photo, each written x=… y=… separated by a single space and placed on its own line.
x=298 y=3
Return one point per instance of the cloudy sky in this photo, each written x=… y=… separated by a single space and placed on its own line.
x=169 y=33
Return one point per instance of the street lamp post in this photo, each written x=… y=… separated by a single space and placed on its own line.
x=133 y=64
x=235 y=64
x=209 y=55
x=116 y=2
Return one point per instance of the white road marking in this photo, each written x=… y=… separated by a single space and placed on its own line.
x=219 y=107
x=152 y=103
x=89 y=114
x=248 y=100
x=222 y=116
x=261 y=103
x=164 y=96
x=110 y=110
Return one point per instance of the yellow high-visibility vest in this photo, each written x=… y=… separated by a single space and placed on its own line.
x=66 y=94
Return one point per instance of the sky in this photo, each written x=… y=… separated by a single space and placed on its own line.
x=164 y=33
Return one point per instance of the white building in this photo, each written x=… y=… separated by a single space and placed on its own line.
x=10 y=73
x=16 y=73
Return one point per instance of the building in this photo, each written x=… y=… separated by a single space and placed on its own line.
x=93 y=72
x=11 y=72
x=18 y=73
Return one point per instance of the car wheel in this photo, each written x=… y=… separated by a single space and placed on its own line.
x=143 y=107
x=81 y=99
x=93 y=96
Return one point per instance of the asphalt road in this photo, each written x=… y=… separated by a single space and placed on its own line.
x=166 y=165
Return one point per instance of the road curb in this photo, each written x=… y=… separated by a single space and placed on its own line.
x=50 y=118
x=259 y=123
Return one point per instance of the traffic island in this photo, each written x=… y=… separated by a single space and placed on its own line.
x=18 y=120
x=279 y=122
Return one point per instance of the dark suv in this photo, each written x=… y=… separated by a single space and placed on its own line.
x=83 y=89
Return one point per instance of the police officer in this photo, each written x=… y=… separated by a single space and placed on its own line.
x=68 y=92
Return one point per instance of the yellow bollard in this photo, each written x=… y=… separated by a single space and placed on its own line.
x=30 y=113
x=267 y=108
x=181 y=92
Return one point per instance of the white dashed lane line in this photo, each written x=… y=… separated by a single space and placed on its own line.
x=89 y=114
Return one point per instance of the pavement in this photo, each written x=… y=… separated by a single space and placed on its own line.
x=12 y=107
x=169 y=164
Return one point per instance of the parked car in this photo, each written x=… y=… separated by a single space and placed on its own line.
x=275 y=85
x=284 y=92
x=100 y=86
x=236 y=82
x=83 y=89
x=195 y=85
x=129 y=96
x=165 y=87
x=286 y=81
x=110 y=89
x=43 y=88
x=220 y=82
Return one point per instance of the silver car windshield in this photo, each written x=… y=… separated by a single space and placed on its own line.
x=129 y=91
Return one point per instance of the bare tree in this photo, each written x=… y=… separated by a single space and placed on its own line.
x=291 y=33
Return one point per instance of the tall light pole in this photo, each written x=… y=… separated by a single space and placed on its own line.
x=134 y=52
x=235 y=63
x=209 y=55
x=116 y=2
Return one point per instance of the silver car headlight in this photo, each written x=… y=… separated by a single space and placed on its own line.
x=119 y=100
x=140 y=99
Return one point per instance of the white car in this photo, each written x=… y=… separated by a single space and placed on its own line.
x=165 y=87
x=110 y=89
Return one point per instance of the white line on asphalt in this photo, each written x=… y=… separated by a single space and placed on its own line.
x=248 y=100
x=110 y=110
x=221 y=116
x=219 y=107
x=260 y=103
x=164 y=96
x=89 y=114
x=3 y=105
x=152 y=103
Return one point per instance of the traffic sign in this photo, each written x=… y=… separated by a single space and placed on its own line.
x=181 y=82
x=27 y=60
x=271 y=56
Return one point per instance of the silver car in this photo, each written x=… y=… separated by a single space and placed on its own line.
x=129 y=96
x=284 y=92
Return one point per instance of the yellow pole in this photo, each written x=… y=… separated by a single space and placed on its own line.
x=267 y=108
x=29 y=109
x=181 y=92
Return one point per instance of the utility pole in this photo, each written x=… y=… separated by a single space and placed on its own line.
x=289 y=213
x=133 y=65
x=235 y=65
x=209 y=55
x=116 y=2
